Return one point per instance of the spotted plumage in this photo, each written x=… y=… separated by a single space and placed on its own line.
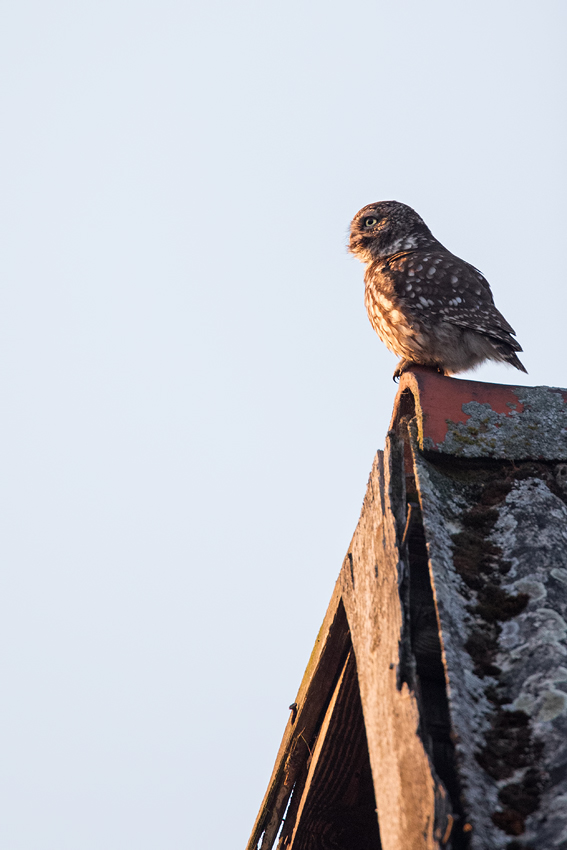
x=427 y=306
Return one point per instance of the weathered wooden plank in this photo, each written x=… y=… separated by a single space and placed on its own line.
x=411 y=803
x=314 y=760
x=337 y=807
x=314 y=692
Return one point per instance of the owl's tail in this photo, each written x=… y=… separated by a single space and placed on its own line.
x=505 y=350
x=513 y=359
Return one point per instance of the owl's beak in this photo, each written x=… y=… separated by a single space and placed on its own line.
x=353 y=243
x=357 y=247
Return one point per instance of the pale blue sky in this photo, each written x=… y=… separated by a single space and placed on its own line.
x=191 y=392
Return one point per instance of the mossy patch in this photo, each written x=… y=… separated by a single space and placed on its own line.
x=519 y=799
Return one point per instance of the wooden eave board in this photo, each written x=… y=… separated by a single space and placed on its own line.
x=337 y=800
x=314 y=693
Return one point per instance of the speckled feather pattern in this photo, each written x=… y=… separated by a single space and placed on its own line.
x=428 y=306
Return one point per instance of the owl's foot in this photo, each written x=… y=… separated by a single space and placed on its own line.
x=406 y=365
x=403 y=366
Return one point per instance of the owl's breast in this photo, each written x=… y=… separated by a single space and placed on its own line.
x=395 y=326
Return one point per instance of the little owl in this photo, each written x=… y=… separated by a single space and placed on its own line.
x=426 y=305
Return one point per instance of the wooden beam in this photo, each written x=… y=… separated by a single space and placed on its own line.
x=337 y=806
x=411 y=802
x=314 y=761
x=312 y=698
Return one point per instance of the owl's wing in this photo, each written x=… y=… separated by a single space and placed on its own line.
x=441 y=287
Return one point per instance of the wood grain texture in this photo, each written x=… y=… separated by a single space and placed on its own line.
x=409 y=800
x=337 y=808
x=329 y=653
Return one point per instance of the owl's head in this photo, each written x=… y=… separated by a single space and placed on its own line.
x=385 y=228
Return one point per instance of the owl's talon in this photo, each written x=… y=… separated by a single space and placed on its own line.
x=402 y=367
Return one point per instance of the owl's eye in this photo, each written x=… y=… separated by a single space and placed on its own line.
x=370 y=222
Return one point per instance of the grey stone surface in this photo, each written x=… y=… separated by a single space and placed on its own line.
x=532 y=531
x=522 y=692
x=468 y=704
